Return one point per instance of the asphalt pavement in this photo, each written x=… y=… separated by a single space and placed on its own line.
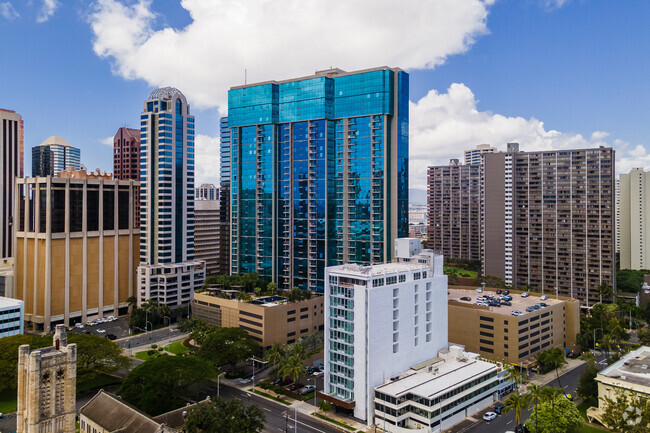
x=503 y=423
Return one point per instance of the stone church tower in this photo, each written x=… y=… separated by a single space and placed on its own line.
x=47 y=379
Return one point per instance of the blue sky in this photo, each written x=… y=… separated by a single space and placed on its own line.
x=549 y=74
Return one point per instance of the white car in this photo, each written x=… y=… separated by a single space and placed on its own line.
x=101 y=331
x=525 y=295
x=543 y=297
x=79 y=325
x=489 y=416
x=517 y=313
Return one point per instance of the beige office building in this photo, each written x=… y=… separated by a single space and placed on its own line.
x=76 y=249
x=634 y=226
x=267 y=320
x=496 y=334
x=207 y=231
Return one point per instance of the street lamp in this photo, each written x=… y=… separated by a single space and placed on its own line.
x=219 y=377
x=150 y=329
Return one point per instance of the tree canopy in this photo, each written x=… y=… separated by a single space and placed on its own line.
x=492 y=281
x=224 y=416
x=627 y=413
x=228 y=346
x=630 y=280
x=296 y=295
x=95 y=355
x=587 y=386
x=556 y=414
x=162 y=384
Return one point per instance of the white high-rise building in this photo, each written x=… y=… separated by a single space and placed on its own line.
x=168 y=272
x=381 y=320
x=617 y=196
x=634 y=217
x=473 y=156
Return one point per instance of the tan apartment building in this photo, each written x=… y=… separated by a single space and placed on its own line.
x=634 y=219
x=497 y=334
x=267 y=320
x=77 y=249
x=207 y=231
x=454 y=210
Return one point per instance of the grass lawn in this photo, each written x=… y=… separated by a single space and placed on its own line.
x=464 y=273
x=96 y=383
x=177 y=348
x=345 y=426
x=144 y=355
x=590 y=429
x=8 y=401
x=272 y=397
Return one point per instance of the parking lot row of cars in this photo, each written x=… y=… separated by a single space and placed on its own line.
x=99 y=321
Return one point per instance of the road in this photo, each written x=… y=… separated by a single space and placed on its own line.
x=154 y=337
x=503 y=423
x=279 y=418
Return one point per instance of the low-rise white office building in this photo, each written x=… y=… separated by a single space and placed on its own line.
x=12 y=313
x=172 y=284
x=444 y=390
x=380 y=320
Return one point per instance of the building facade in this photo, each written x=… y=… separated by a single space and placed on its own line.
x=319 y=173
x=76 y=249
x=126 y=160
x=207 y=233
x=437 y=394
x=53 y=156
x=474 y=156
x=379 y=321
x=12 y=312
x=634 y=225
x=268 y=320
x=224 y=193
x=206 y=191
x=11 y=166
x=47 y=380
x=495 y=333
x=454 y=210
x=557 y=209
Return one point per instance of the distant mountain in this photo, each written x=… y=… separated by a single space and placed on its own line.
x=417 y=196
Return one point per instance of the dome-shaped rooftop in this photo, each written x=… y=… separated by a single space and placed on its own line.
x=167 y=93
x=55 y=140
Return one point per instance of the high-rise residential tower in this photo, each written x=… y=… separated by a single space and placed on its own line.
x=473 y=156
x=168 y=272
x=548 y=220
x=53 y=156
x=206 y=191
x=11 y=166
x=126 y=160
x=224 y=175
x=634 y=225
x=207 y=231
x=454 y=210
x=319 y=173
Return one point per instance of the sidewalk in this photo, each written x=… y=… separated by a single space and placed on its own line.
x=543 y=379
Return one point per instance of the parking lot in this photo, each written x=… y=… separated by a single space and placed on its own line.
x=118 y=328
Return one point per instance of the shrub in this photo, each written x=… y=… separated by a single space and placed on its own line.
x=151 y=352
x=153 y=346
x=160 y=349
x=324 y=406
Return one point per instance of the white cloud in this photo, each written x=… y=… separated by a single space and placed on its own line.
x=554 y=4
x=206 y=159
x=444 y=124
x=278 y=39
x=108 y=141
x=8 y=11
x=47 y=10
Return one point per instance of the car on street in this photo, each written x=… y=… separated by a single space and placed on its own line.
x=465 y=298
x=101 y=331
x=543 y=297
x=499 y=408
x=525 y=295
x=489 y=416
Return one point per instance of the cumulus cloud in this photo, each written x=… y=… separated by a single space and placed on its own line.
x=554 y=4
x=108 y=141
x=444 y=124
x=206 y=159
x=277 y=39
x=8 y=11
x=47 y=10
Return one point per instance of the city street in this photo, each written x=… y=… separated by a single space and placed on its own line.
x=157 y=336
x=503 y=423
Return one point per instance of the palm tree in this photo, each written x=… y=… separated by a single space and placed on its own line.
x=535 y=395
x=275 y=355
x=512 y=374
x=516 y=402
x=555 y=358
x=292 y=368
x=297 y=349
x=604 y=289
x=550 y=395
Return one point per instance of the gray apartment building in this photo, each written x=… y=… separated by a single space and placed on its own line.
x=207 y=233
x=454 y=210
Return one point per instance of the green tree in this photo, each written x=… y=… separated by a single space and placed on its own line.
x=275 y=356
x=137 y=318
x=162 y=384
x=629 y=280
x=516 y=403
x=292 y=367
x=552 y=358
x=492 y=281
x=224 y=416
x=627 y=413
x=551 y=394
x=9 y=356
x=228 y=346
x=514 y=375
x=97 y=355
x=199 y=329
x=555 y=415
x=605 y=290
x=535 y=395
x=272 y=288
x=587 y=386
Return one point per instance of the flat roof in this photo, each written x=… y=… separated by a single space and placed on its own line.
x=450 y=374
x=10 y=302
x=632 y=368
x=518 y=303
x=365 y=271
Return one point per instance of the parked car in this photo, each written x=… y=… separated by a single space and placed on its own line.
x=530 y=309
x=79 y=325
x=543 y=305
x=499 y=292
x=309 y=369
x=101 y=331
x=536 y=307
x=521 y=428
x=507 y=303
x=517 y=313
x=507 y=297
x=465 y=298
x=111 y=337
x=318 y=373
x=525 y=295
x=506 y=292
x=543 y=297
x=306 y=389
x=499 y=408
x=489 y=416
x=295 y=386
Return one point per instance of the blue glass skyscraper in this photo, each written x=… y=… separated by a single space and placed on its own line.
x=319 y=173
